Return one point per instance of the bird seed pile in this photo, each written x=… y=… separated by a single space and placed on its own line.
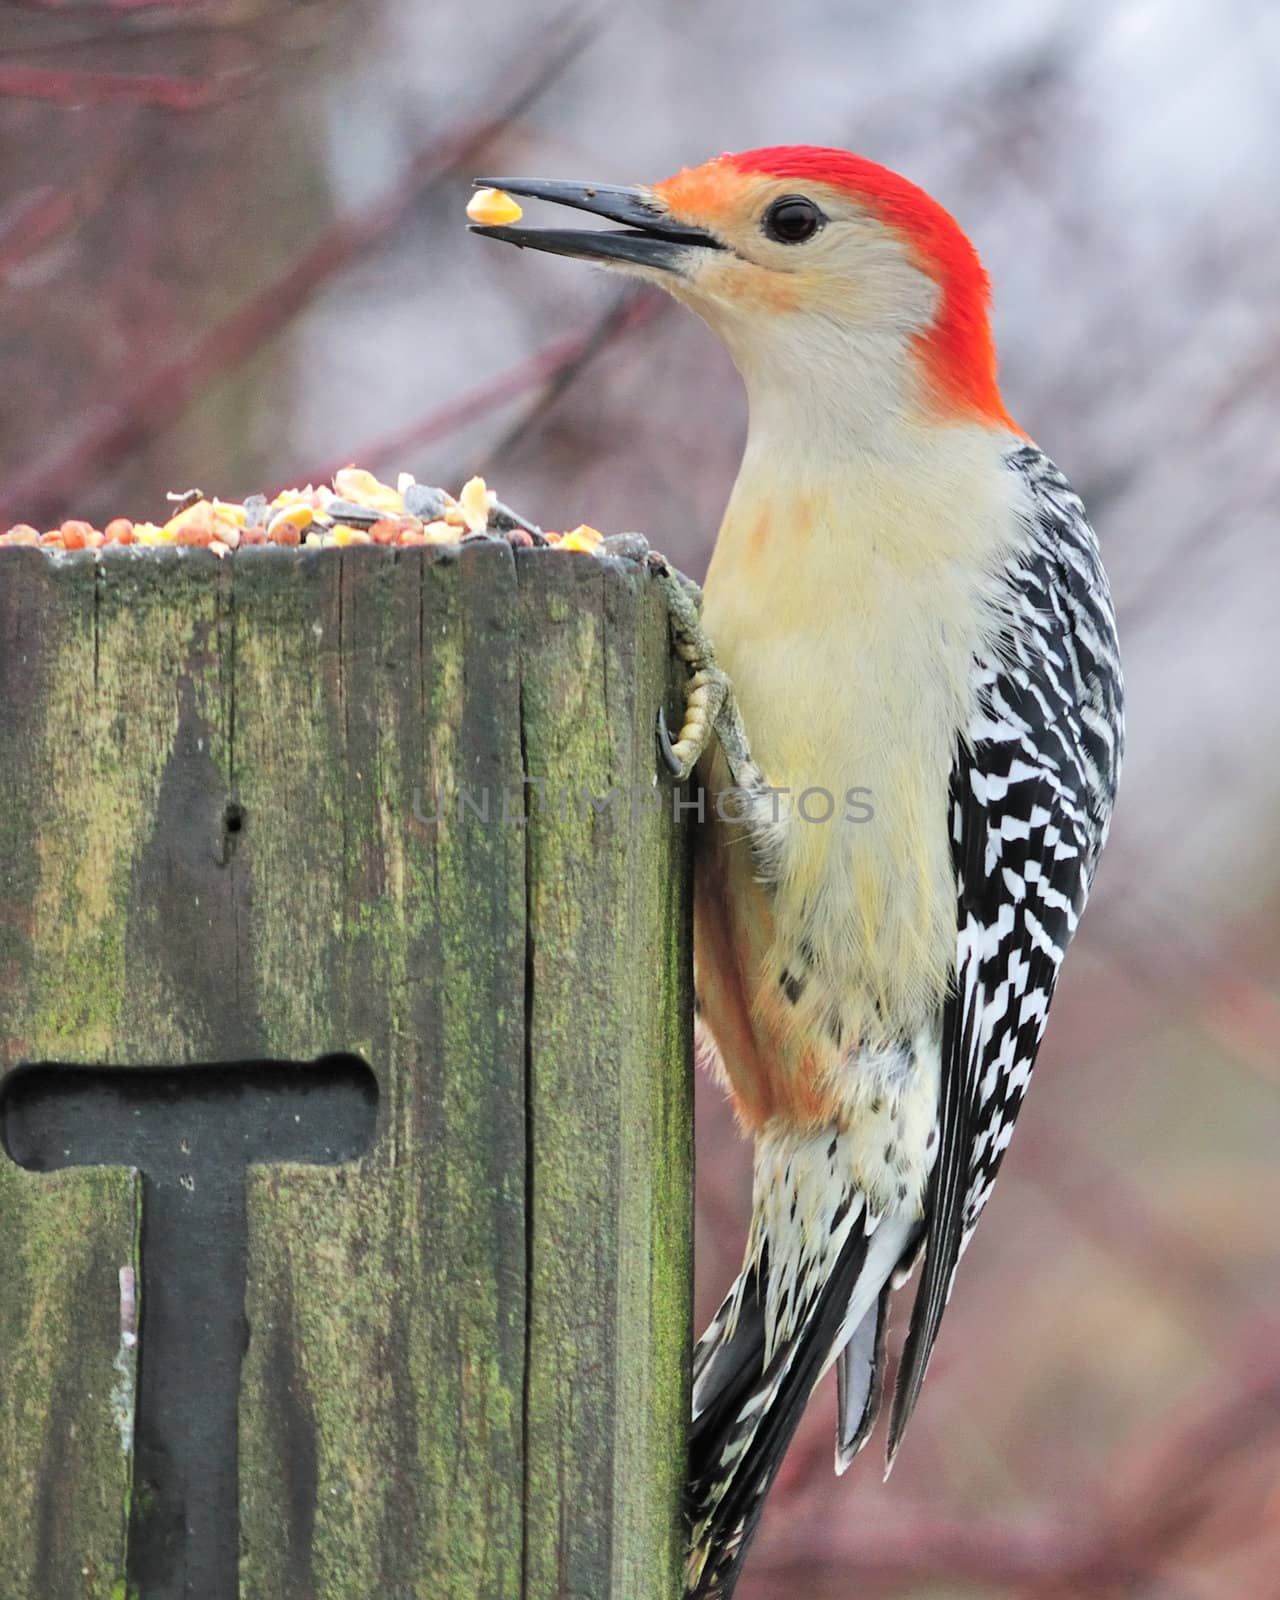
x=358 y=509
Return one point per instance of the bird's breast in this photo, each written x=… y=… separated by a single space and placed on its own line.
x=847 y=619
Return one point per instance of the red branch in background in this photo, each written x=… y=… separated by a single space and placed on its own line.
x=549 y=369
x=1094 y=1193
x=71 y=87
x=1188 y=1499
x=108 y=8
x=36 y=221
x=918 y=1545
x=1189 y=1485
x=161 y=395
x=43 y=215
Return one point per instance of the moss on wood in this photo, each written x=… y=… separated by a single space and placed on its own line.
x=276 y=807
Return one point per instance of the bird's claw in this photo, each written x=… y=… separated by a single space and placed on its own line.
x=708 y=688
x=705 y=696
x=709 y=705
x=666 y=749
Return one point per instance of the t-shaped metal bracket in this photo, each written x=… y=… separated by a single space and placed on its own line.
x=191 y=1131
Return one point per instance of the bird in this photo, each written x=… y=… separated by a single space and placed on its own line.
x=905 y=697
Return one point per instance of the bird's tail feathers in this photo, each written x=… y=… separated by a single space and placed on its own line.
x=746 y=1409
x=860 y=1382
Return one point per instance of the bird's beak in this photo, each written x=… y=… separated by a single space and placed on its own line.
x=649 y=239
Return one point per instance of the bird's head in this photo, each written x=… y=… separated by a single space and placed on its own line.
x=819 y=269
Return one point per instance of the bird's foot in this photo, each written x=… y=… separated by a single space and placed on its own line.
x=710 y=706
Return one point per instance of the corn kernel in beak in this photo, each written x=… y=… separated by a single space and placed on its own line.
x=493 y=208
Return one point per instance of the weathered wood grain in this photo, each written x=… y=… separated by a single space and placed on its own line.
x=275 y=807
x=605 y=1263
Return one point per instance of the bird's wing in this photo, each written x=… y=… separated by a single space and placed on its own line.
x=1031 y=795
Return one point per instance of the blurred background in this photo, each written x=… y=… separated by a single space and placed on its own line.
x=232 y=254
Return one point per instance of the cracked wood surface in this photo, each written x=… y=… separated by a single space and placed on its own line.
x=466 y=1374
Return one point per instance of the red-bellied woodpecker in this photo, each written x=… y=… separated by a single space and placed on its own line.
x=921 y=724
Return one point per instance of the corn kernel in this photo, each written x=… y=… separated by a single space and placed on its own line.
x=301 y=516
x=192 y=526
x=354 y=483
x=582 y=538
x=493 y=208
x=474 y=503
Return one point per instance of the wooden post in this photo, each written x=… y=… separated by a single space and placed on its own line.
x=283 y=809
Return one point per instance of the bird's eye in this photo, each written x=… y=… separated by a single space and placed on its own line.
x=793 y=219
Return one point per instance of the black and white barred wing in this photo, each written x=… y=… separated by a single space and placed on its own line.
x=1031 y=795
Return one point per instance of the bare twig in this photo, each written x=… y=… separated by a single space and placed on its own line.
x=38 y=220
x=629 y=312
x=1185 y=1486
x=1116 y=1214
x=161 y=395
x=544 y=368
x=920 y=1545
x=1148 y=1516
x=168 y=92
x=46 y=214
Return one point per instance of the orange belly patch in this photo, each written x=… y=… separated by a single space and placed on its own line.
x=772 y=1070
